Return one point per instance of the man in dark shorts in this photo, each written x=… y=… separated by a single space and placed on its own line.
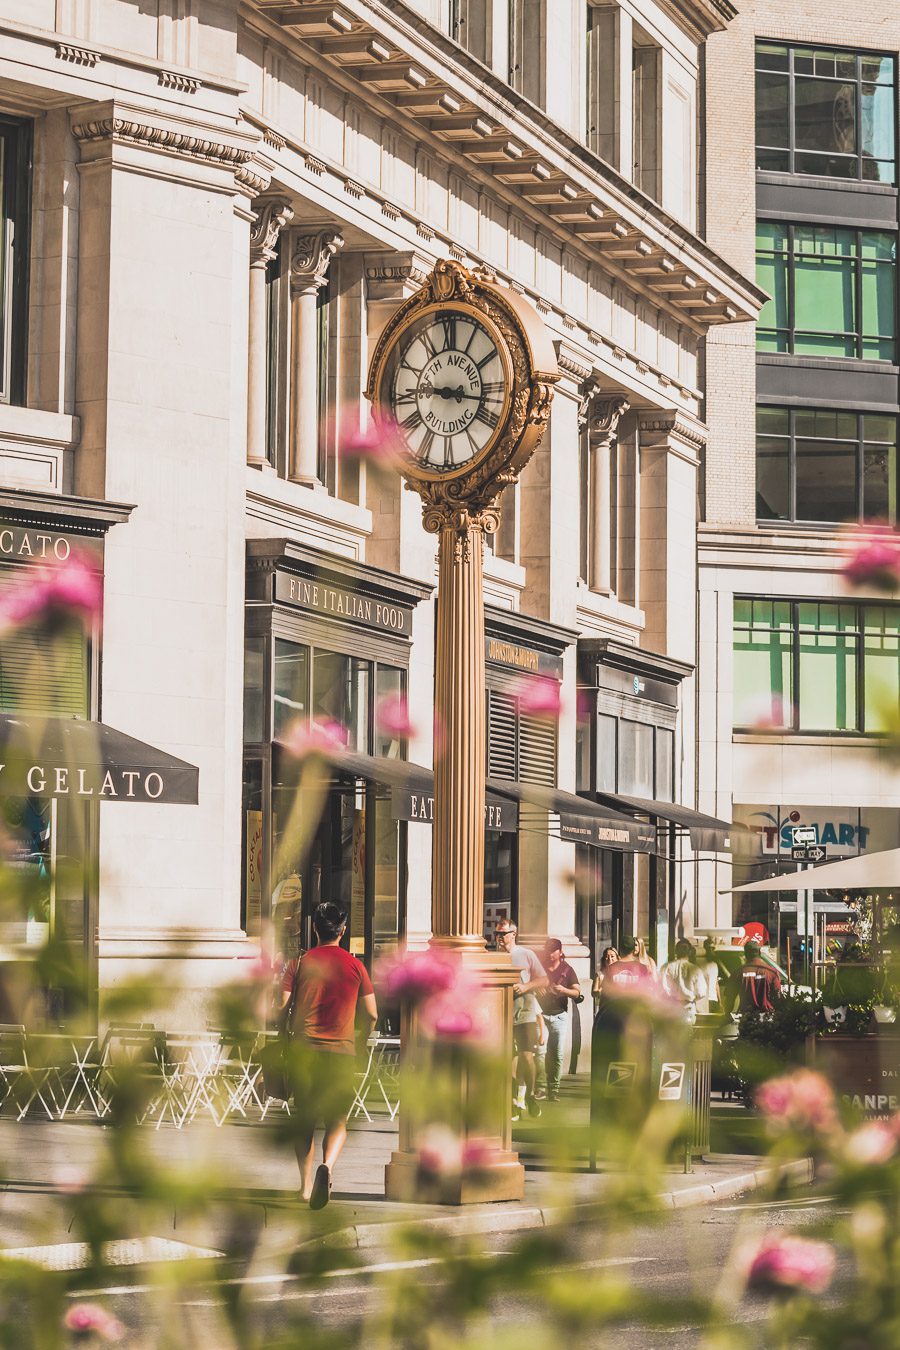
x=330 y=984
x=532 y=977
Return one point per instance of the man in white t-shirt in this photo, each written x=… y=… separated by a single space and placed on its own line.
x=525 y=1015
x=684 y=980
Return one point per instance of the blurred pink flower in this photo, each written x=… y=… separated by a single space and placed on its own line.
x=442 y=1153
x=585 y=703
x=392 y=716
x=377 y=444
x=875 y=563
x=539 y=696
x=802 y=1101
x=768 y=712
x=416 y=976
x=791 y=1263
x=872 y=1144
x=325 y=739
x=89 y=1319
x=458 y=1014
x=69 y=1180
x=260 y=970
x=54 y=594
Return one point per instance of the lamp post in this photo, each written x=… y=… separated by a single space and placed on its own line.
x=463 y=373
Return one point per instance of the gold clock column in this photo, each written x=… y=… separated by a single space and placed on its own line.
x=458 y=870
x=459 y=701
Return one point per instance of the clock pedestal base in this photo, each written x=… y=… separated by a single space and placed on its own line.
x=458 y=1095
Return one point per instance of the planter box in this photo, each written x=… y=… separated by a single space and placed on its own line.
x=863 y=1070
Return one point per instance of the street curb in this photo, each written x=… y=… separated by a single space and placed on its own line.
x=368 y=1235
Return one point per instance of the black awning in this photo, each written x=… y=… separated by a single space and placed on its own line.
x=581 y=821
x=707 y=833
x=411 y=785
x=72 y=757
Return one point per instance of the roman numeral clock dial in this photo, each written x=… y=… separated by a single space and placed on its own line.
x=446 y=387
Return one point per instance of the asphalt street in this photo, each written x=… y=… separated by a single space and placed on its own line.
x=686 y=1253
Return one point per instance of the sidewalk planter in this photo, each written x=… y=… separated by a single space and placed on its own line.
x=864 y=1070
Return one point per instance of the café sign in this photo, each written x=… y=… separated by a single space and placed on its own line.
x=500 y=814
x=33 y=544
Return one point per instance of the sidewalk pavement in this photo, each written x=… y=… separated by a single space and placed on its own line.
x=46 y=1159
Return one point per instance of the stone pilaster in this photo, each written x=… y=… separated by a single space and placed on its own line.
x=270 y=215
x=311 y=255
x=604 y=415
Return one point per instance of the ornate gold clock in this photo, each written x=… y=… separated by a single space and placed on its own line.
x=462 y=377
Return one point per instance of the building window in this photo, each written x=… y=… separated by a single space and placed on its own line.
x=527 y=40
x=815 y=666
x=470 y=26
x=521 y=746
x=825 y=112
x=817 y=465
x=15 y=185
x=833 y=291
x=645 y=104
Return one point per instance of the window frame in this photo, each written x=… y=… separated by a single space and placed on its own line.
x=859 y=442
x=16 y=140
x=857 y=631
x=858 y=82
x=859 y=337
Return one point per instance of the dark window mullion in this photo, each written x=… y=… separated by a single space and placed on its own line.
x=792 y=106
x=795 y=666
x=859 y=294
x=860 y=470
x=792 y=464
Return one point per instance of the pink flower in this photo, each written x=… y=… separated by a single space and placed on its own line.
x=875 y=563
x=443 y=1153
x=377 y=444
x=872 y=1144
x=801 y=1101
x=768 y=712
x=459 y=1014
x=539 y=696
x=416 y=976
x=786 y=1262
x=54 y=594
x=392 y=717
x=70 y=1180
x=440 y=1152
x=89 y=1319
x=324 y=739
x=260 y=970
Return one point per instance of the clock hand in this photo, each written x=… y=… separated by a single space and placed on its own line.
x=458 y=394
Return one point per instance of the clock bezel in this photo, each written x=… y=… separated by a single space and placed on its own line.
x=382 y=408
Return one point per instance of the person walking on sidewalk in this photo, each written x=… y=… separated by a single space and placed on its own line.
x=685 y=981
x=532 y=977
x=555 y=1001
x=331 y=985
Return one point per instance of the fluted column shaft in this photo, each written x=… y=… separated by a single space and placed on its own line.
x=600 y=569
x=459 y=769
x=270 y=216
x=304 y=460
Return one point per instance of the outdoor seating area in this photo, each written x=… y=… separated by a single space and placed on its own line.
x=180 y=1076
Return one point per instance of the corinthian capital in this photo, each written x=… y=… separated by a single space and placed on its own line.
x=310 y=258
x=604 y=415
x=270 y=215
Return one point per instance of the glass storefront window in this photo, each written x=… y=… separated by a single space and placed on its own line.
x=254 y=691
x=340 y=694
x=388 y=918
x=500 y=870
x=665 y=765
x=390 y=695
x=607 y=753
x=635 y=758
x=290 y=685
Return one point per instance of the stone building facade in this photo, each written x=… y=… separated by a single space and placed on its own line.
x=798 y=675
x=210 y=210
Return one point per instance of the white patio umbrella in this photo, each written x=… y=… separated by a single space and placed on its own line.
x=870 y=871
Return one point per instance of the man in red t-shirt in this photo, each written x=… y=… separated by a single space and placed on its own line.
x=330 y=984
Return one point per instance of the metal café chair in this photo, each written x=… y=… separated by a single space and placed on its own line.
x=81 y=1084
x=128 y=1048
x=239 y=1077
x=381 y=1075
x=29 y=1080
x=187 y=1067
x=13 y=1061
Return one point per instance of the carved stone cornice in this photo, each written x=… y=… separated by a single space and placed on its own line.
x=253 y=177
x=603 y=417
x=672 y=431
x=79 y=56
x=270 y=215
x=571 y=363
x=311 y=256
x=126 y=131
x=393 y=276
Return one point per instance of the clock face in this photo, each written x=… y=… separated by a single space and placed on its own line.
x=446 y=387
